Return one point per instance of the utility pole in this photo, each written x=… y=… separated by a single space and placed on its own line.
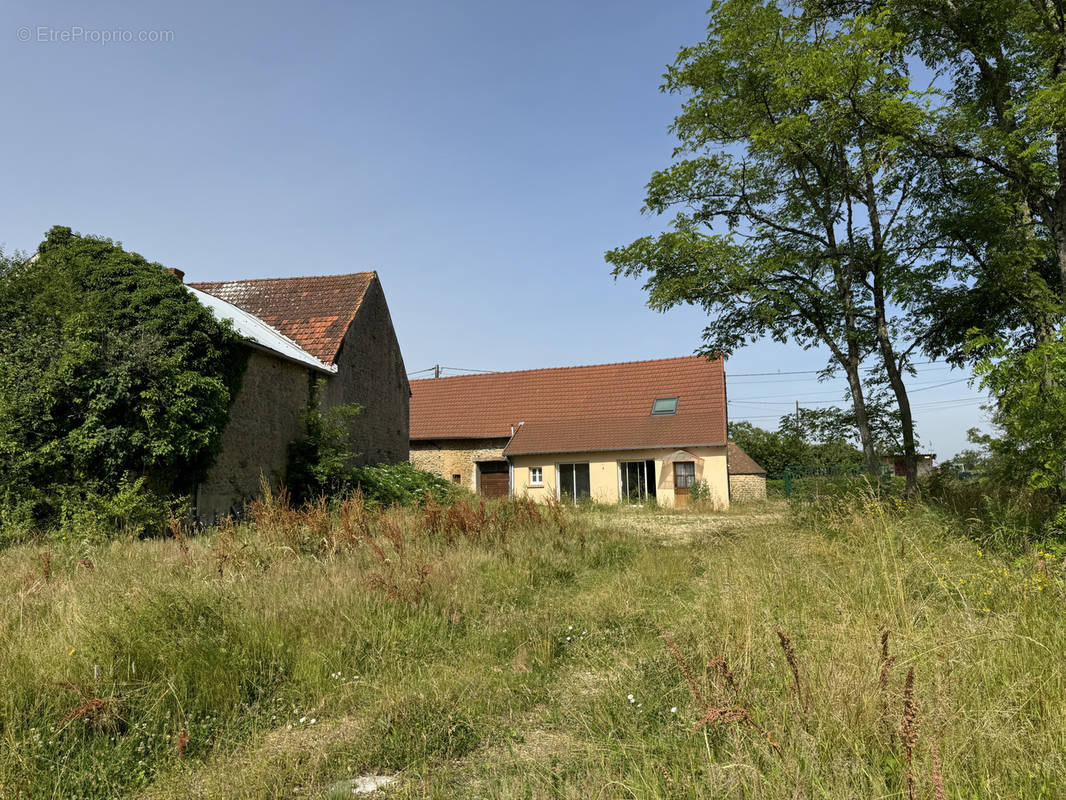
x=436 y=370
x=797 y=416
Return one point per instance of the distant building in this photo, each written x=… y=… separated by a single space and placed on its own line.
x=898 y=464
x=336 y=328
x=610 y=432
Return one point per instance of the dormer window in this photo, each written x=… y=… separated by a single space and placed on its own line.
x=664 y=406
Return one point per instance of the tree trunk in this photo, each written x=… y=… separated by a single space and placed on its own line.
x=884 y=340
x=862 y=420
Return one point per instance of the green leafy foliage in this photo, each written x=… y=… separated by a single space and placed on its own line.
x=115 y=386
x=402 y=484
x=790 y=210
x=320 y=464
x=1030 y=387
x=815 y=441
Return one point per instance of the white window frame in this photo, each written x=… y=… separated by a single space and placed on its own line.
x=538 y=479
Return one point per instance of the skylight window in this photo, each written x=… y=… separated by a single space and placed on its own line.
x=664 y=406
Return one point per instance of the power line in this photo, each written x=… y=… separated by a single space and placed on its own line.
x=730 y=377
x=938 y=385
x=436 y=369
x=804 y=371
x=792 y=397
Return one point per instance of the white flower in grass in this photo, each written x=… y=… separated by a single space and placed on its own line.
x=630 y=698
x=673 y=710
x=313 y=720
x=303 y=720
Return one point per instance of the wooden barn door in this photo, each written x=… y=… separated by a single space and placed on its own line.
x=495 y=478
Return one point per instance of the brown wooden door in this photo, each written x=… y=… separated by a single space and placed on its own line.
x=684 y=477
x=495 y=478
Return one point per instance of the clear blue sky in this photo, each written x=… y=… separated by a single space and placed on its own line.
x=481 y=156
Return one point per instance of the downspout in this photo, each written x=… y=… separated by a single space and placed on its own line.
x=510 y=463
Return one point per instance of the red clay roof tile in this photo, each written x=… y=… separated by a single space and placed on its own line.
x=740 y=463
x=313 y=311
x=573 y=409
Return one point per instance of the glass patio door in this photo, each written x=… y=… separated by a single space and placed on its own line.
x=573 y=483
x=636 y=480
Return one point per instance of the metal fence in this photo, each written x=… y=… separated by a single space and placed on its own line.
x=798 y=474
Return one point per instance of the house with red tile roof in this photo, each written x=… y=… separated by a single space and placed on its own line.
x=610 y=432
x=318 y=339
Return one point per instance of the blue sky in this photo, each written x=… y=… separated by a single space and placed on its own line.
x=481 y=156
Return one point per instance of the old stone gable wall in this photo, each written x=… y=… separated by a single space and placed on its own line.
x=370 y=371
x=744 y=488
x=449 y=457
x=267 y=414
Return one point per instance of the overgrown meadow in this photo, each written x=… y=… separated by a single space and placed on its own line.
x=510 y=650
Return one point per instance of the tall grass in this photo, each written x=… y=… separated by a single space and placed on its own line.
x=510 y=650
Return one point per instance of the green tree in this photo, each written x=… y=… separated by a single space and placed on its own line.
x=991 y=134
x=112 y=376
x=791 y=211
x=772 y=450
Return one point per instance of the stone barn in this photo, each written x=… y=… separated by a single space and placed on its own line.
x=331 y=331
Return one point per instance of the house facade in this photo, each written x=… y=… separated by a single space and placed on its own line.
x=324 y=339
x=608 y=432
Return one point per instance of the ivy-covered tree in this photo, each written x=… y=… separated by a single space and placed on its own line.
x=114 y=380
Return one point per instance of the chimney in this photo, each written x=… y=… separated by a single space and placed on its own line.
x=177 y=273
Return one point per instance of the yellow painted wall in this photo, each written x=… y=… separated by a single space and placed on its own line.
x=603 y=473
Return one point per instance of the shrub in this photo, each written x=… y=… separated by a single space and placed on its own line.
x=402 y=484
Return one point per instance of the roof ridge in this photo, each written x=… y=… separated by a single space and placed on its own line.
x=559 y=369
x=373 y=272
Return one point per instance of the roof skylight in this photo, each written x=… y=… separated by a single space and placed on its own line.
x=664 y=406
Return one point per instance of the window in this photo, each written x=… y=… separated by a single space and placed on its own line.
x=573 y=482
x=536 y=476
x=664 y=406
x=457 y=478
x=684 y=474
x=636 y=480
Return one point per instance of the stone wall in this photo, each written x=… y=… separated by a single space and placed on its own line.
x=268 y=413
x=456 y=457
x=370 y=371
x=265 y=417
x=744 y=488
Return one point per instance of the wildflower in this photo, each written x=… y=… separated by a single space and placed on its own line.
x=630 y=698
x=673 y=710
x=313 y=720
x=303 y=720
